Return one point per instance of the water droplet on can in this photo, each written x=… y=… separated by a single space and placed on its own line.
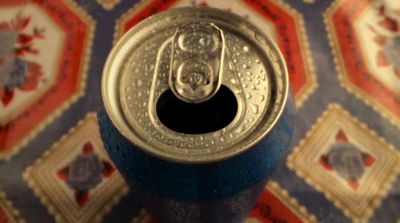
x=203 y=41
x=248 y=95
x=240 y=129
x=254 y=108
x=149 y=67
x=233 y=81
x=231 y=66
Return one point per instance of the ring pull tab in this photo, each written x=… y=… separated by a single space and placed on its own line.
x=196 y=63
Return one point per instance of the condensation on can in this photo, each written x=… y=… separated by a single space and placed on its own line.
x=160 y=82
x=137 y=73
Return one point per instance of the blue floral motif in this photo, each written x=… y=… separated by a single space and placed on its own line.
x=7 y=39
x=13 y=73
x=347 y=160
x=16 y=71
x=11 y=70
x=392 y=50
x=85 y=172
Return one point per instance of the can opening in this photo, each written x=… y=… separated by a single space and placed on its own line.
x=205 y=117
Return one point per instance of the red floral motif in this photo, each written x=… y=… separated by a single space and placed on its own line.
x=84 y=173
x=389 y=52
x=16 y=72
x=347 y=160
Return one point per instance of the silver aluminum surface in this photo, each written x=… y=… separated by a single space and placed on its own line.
x=237 y=55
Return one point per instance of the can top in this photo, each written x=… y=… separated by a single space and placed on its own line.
x=171 y=79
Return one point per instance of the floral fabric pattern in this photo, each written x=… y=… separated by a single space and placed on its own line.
x=347 y=160
x=85 y=172
x=17 y=72
x=388 y=40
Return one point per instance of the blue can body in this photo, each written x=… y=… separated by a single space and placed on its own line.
x=200 y=114
x=222 y=191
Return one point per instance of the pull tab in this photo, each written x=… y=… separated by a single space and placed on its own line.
x=196 y=63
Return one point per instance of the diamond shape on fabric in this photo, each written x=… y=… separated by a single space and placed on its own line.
x=76 y=179
x=349 y=163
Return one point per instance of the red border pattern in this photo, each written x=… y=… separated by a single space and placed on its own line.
x=276 y=205
x=69 y=81
x=351 y=65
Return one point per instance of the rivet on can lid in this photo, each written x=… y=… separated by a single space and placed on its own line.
x=197 y=60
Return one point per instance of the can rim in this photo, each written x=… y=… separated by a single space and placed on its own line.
x=113 y=110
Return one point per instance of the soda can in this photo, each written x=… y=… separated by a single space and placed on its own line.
x=198 y=113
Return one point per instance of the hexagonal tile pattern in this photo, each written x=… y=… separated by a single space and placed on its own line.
x=43 y=60
x=364 y=37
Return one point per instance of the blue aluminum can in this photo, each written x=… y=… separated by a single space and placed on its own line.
x=198 y=113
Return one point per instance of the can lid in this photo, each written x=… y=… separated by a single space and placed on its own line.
x=195 y=85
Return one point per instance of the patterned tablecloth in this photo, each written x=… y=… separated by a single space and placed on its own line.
x=343 y=58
